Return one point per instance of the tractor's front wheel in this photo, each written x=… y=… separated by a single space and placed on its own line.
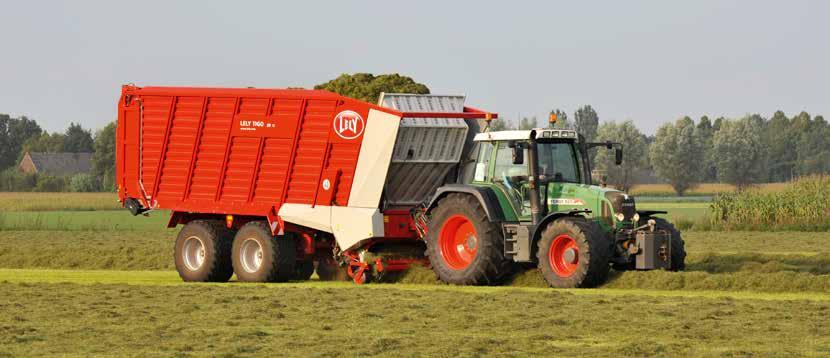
x=463 y=246
x=678 y=246
x=573 y=252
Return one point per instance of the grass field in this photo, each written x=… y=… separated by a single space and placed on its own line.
x=314 y=319
x=57 y=201
x=115 y=220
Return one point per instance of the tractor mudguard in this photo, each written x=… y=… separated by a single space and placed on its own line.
x=537 y=232
x=485 y=196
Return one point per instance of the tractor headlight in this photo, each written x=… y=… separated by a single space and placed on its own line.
x=636 y=217
x=620 y=217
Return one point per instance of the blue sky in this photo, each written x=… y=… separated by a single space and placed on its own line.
x=648 y=61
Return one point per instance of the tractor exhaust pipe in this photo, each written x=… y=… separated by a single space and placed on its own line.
x=536 y=208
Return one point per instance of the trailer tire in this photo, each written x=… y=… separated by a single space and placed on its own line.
x=203 y=252
x=464 y=247
x=329 y=270
x=259 y=256
x=303 y=270
x=573 y=253
x=678 y=246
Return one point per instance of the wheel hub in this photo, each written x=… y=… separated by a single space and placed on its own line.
x=472 y=242
x=251 y=255
x=570 y=256
x=563 y=255
x=194 y=253
x=458 y=242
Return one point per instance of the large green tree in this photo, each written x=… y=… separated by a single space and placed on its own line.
x=738 y=152
x=813 y=147
x=78 y=139
x=367 y=87
x=778 y=140
x=528 y=123
x=13 y=133
x=45 y=142
x=500 y=124
x=103 y=160
x=635 y=153
x=706 y=133
x=586 y=122
x=677 y=155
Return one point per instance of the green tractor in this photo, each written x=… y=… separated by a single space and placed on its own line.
x=531 y=201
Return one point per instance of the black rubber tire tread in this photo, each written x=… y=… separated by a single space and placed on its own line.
x=594 y=248
x=329 y=270
x=279 y=254
x=217 y=240
x=303 y=270
x=678 y=246
x=490 y=266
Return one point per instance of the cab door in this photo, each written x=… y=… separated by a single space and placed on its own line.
x=510 y=182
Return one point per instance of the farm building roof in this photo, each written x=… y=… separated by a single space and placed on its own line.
x=56 y=163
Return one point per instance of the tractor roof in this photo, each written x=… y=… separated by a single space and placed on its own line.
x=525 y=134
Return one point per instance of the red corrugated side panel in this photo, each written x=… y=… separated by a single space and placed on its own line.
x=235 y=151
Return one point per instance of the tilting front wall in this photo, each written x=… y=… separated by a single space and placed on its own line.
x=194 y=153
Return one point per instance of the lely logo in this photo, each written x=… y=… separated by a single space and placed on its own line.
x=348 y=125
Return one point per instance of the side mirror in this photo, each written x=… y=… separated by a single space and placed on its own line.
x=518 y=155
x=618 y=156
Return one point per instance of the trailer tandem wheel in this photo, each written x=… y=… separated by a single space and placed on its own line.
x=303 y=270
x=259 y=256
x=203 y=252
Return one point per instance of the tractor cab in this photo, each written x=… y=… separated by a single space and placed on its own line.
x=555 y=161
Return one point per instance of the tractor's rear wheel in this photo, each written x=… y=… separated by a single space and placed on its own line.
x=573 y=252
x=203 y=252
x=258 y=256
x=463 y=246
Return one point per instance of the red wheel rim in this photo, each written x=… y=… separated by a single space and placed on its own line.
x=563 y=255
x=458 y=242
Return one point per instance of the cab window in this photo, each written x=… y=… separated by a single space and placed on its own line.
x=558 y=162
x=485 y=151
x=512 y=178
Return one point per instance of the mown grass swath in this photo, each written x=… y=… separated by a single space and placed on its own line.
x=720 y=261
x=802 y=205
x=281 y=320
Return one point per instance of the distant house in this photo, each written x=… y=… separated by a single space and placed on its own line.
x=57 y=164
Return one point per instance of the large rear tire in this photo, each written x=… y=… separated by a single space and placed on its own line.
x=203 y=252
x=258 y=256
x=572 y=253
x=463 y=246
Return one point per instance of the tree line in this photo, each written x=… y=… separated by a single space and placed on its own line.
x=19 y=135
x=739 y=151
